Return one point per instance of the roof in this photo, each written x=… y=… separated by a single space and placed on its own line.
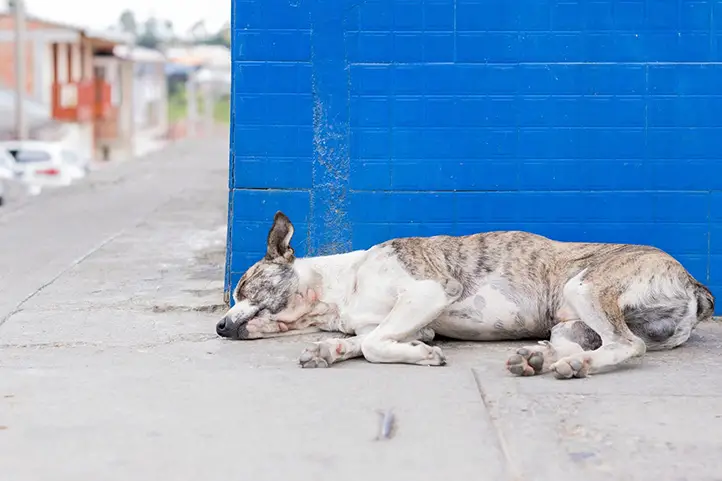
x=51 y=23
x=212 y=56
x=139 y=54
x=106 y=36
x=109 y=36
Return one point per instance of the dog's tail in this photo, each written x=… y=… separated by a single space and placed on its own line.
x=705 y=301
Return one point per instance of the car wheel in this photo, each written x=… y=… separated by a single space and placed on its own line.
x=2 y=201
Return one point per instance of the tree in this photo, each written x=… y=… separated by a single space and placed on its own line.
x=198 y=30
x=149 y=38
x=11 y=4
x=225 y=34
x=166 y=32
x=222 y=37
x=128 y=23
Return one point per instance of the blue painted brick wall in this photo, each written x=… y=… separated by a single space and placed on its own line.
x=580 y=120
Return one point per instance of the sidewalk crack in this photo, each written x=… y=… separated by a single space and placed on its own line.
x=85 y=256
x=64 y=271
x=512 y=468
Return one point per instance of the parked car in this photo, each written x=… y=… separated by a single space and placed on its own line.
x=39 y=164
x=79 y=166
x=6 y=172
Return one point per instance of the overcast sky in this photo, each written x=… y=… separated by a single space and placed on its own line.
x=100 y=14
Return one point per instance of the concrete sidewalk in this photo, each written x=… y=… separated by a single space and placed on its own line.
x=110 y=368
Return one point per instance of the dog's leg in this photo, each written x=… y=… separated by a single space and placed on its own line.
x=596 y=303
x=567 y=338
x=330 y=351
x=417 y=306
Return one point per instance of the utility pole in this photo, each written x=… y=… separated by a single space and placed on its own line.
x=21 y=122
x=192 y=100
x=208 y=104
x=133 y=132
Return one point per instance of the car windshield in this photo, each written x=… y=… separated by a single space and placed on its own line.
x=27 y=156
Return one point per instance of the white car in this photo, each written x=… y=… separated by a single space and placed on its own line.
x=39 y=164
x=6 y=172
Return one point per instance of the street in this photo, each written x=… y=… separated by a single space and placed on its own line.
x=110 y=368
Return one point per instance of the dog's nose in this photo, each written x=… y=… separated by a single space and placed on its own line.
x=223 y=327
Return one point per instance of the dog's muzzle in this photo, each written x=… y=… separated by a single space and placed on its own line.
x=231 y=330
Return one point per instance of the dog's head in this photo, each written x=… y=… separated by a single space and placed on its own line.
x=268 y=298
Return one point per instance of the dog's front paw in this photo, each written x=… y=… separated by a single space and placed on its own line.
x=317 y=356
x=569 y=367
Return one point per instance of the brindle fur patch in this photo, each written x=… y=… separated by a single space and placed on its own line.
x=578 y=332
x=268 y=285
x=538 y=268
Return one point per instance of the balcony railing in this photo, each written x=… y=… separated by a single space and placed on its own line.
x=74 y=102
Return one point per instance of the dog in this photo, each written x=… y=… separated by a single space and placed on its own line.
x=589 y=306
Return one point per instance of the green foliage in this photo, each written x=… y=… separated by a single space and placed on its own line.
x=128 y=23
x=149 y=38
x=217 y=39
x=178 y=107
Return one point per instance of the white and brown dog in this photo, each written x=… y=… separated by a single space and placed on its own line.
x=593 y=305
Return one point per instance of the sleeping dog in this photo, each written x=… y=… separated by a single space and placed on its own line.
x=590 y=306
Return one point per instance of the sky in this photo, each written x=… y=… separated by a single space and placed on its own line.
x=99 y=14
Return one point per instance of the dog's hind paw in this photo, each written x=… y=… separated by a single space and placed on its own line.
x=570 y=367
x=317 y=356
x=526 y=362
x=433 y=355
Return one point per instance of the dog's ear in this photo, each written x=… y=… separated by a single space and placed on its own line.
x=278 y=246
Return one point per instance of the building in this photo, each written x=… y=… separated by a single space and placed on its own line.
x=86 y=89
x=133 y=84
x=211 y=64
x=59 y=78
x=113 y=132
x=203 y=72
x=150 y=96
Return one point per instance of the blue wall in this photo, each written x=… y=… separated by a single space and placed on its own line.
x=579 y=120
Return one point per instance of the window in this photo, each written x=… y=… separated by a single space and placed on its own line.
x=28 y=156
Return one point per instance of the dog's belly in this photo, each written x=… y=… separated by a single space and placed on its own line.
x=493 y=313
